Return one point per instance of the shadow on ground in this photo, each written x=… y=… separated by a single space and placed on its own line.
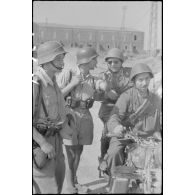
x=100 y=190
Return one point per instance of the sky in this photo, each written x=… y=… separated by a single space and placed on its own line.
x=98 y=13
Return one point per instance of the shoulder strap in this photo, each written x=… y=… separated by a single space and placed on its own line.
x=37 y=103
x=93 y=82
x=39 y=100
x=44 y=107
x=140 y=110
x=135 y=114
x=70 y=78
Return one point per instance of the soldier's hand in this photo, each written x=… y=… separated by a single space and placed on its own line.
x=103 y=86
x=119 y=131
x=157 y=135
x=76 y=79
x=48 y=149
x=112 y=95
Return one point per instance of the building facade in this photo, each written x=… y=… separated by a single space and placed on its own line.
x=102 y=39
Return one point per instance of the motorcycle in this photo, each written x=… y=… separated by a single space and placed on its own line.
x=142 y=170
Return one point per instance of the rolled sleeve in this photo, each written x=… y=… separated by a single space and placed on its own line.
x=63 y=78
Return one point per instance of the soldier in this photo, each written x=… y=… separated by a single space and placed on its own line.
x=80 y=89
x=48 y=120
x=118 y=79
x=144 y=125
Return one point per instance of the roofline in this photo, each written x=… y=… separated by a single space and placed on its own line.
x=86 y=27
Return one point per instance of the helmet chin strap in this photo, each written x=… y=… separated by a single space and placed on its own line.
x=115 y=71
x=59 y=68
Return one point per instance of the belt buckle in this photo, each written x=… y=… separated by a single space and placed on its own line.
x=74 y=104
x=83 y=104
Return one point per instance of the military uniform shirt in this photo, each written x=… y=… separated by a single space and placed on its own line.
x=128 y=103
x=119 y=82
x=84 y=90
x=52 y=95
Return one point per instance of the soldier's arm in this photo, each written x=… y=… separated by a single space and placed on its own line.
x=104 y=89
x=119 y=111
x=66 y=81
x=36 y=135
x=45 y=146
x=100 y=86
x=158 y=104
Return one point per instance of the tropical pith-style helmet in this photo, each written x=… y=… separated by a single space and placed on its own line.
x=47 y=51
x=115 y=53
x=140 y=68
x=85 y=55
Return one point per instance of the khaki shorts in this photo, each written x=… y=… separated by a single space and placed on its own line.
x=82 y=130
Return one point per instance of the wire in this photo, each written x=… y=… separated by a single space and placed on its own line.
x=140 y=19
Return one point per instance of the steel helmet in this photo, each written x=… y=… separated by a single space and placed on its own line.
x=47 y=51
x=115 y=53
x=85 y=55
x=140 y=68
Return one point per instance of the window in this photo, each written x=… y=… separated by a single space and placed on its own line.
x=81 y=45
x=113 y=38
x=135 y=37
x=67 y=36
x=54 y=35
x=102 y=37
x=42 y=34
x=78 y=35
x=90 y=37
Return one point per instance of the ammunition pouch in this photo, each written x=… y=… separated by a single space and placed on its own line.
x=87 y=104
x=108 y=100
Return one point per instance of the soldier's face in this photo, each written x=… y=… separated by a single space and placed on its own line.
x=58 y=62
x=114 y=64
x=93 y=63
x=142 y=81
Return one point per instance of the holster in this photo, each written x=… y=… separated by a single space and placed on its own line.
x=87 y=104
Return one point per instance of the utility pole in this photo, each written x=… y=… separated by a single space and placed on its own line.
x=152 y=43
x=124 y=8
x=45 y=38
